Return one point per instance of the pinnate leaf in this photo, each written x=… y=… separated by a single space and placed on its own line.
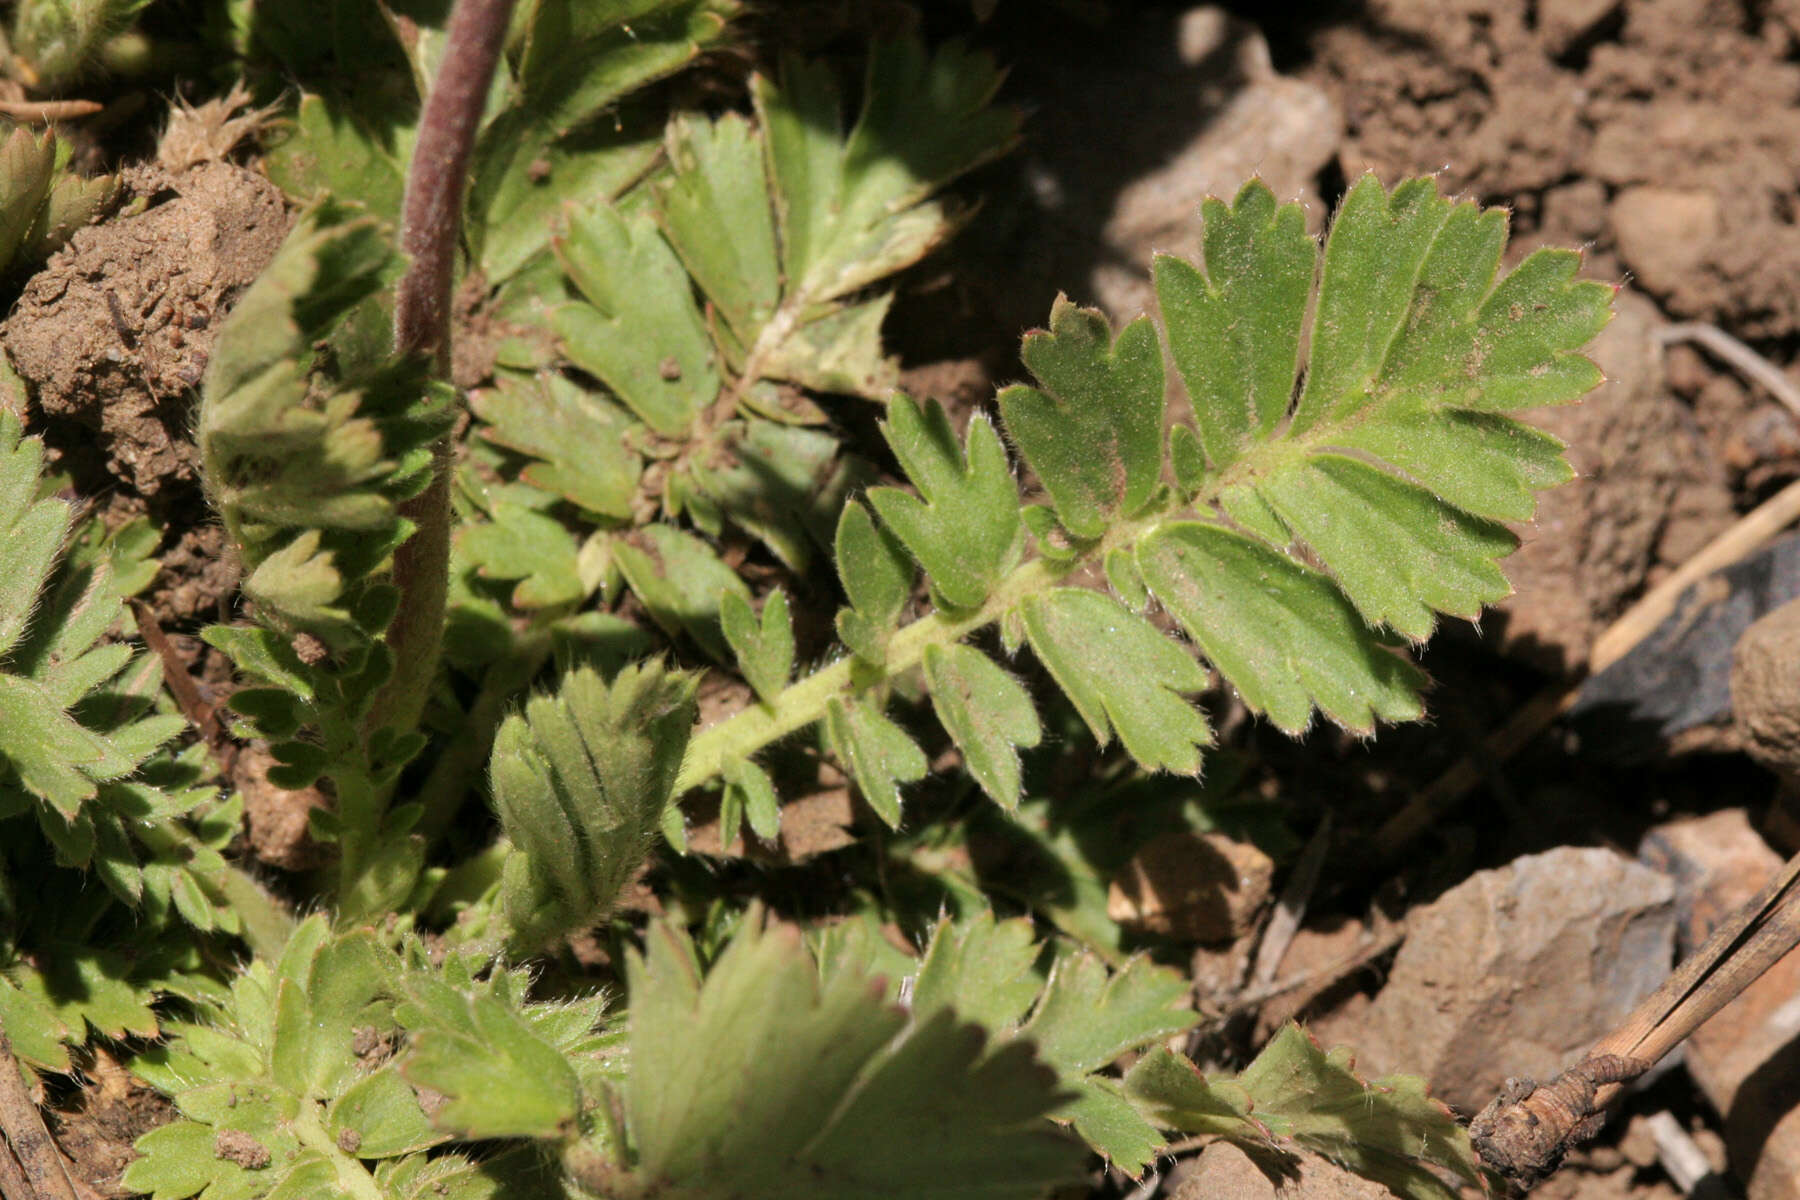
x=1416 y=348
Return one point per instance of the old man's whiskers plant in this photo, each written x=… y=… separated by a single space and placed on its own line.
x=1315 y=513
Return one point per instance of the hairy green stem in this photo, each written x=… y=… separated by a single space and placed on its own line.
x=803 y=702
x=352 y=1176
x=430 y=225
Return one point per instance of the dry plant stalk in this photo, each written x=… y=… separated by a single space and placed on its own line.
x=1527 y=1129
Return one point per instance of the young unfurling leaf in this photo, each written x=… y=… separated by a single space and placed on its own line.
x=580 y=781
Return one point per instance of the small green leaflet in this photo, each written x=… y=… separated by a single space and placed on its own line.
x=1095 y=431
x=988 y=714
x=1082 y=1018
x=1296 y=1095
x=1122 y=674
x=963 y=526
x=878 y=752
x=764 y=646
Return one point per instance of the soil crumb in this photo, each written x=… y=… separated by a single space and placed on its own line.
x=116 y=330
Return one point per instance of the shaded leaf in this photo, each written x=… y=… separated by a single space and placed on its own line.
x=638 y=332
x=860 y=1102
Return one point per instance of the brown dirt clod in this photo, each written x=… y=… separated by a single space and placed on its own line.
x=118 y=327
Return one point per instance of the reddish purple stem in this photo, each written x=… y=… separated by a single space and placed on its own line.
x=431 y=222
x=432 y=212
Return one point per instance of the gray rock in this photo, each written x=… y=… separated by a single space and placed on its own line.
x=1516 y=971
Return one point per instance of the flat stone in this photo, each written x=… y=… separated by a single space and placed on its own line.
x=1515 y=971
x=1203 y=887
x=1664 y=234
x=1224 y=1171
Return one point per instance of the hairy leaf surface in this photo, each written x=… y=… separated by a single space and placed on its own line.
x=1295 y=1095
x=863 y=1100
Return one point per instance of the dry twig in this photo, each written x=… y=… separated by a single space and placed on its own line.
x=42 y=112
x=23 y=1126
x=1527 y=1129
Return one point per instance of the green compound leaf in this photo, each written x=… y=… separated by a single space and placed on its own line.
x=986 y=712
x=1416 y=347
x=1082 y=1018
x=1095 y=432
x=1373 y=499
x=862 y=1100
x=965 y=529
x=639 y=332
x=579 y=441
x=1122 y=675
x=580 y=781
x=499 y=1076
x=73 y=710
x=765 y=647
x=878 y=752
x=308 y=470
x=1295 y=1095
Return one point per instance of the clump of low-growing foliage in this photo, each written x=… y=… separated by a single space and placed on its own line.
x=689 y=299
